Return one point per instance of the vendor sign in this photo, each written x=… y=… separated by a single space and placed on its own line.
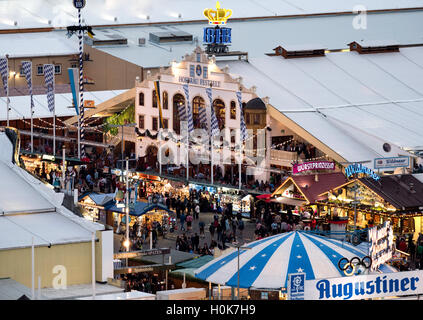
x=394 y=162
x=381 y=239
x=313 y=165
x=366 y=286
x=359 y=168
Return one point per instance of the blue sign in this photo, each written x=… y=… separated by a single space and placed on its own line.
x=359 y=168
x=217 y=35
x=296 y=282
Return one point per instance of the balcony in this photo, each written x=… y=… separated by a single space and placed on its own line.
x=283 y=158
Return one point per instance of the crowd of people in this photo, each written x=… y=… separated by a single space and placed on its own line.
x=145 y=282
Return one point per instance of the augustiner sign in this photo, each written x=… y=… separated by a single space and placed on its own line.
x=365 y=287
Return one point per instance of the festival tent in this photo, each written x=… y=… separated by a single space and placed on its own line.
x=269 y=261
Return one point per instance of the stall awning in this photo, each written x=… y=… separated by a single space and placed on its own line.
x=139 y=208
x=289 y=201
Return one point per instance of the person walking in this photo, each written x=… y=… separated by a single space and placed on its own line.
x=195 y=240
x=189 y=222
x=411 y=248
x=241 y=227
x=197 y=211
x=182 y=220
x=219 y=231
x=201 y=226
x=212 y=229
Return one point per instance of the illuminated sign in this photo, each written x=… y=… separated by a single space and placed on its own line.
x=217 y=35
x=218 y=16
x=217 y=38
x=381 y=240
x=359 y=168
x=313 y=165
x=394 y=162
x=365 y=286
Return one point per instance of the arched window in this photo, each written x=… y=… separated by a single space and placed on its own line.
x=178 y=100
x=165 y=100
x=141 y=99
x=219 y=109
x=197 y=103
x=233 y=110
x=154 y=99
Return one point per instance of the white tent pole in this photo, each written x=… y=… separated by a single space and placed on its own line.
x=7 y=92
x=187 y=154
x=32 y=270
x=63 y=168
x=93 y=263
x=54 y=132
x=79 y=136
x=211 y=153
x=39 y=288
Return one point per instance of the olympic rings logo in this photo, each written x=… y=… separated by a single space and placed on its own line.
x=355 y=265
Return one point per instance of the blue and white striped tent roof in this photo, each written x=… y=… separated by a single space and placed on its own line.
x=269 y=261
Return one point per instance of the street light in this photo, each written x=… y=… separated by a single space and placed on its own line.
x=238 y=246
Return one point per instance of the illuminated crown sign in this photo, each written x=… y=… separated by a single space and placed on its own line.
x=218 y=16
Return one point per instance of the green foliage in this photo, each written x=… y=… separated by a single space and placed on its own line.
x=126 y=116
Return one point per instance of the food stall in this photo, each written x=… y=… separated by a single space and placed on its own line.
x=147 y=213
x=366 y=202
x=93 y=206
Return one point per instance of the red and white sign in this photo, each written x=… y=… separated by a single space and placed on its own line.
x=313 y=165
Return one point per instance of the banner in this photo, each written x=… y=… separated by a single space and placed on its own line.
x=365 y=287
x=73 y=76
x=393 y=162
x=4 y=71
x=313 y=165
x=49 y=80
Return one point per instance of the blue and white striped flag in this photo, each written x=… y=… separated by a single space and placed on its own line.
x=214 y=125
x=27 y=69
x=242 y=122
x=190 y=119
x=4 y=71
x=49 y=79
x=203 y=116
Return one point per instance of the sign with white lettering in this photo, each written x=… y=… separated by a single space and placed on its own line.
x=366 y=286
x=313 y=165
x=394 y=162
x=296 y=286
x=381 y=240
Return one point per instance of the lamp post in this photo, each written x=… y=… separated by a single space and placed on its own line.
x=238 y=246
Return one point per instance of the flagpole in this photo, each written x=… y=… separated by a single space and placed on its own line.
x=187 y=153
x=7 y=91
x=212 y=173
x=240 y=166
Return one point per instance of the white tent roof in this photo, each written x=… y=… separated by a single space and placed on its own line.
x=256 y=37
x=37 y=13
x=30 y=210
x=20 y=105
x=353 y=103
x=43 y=44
